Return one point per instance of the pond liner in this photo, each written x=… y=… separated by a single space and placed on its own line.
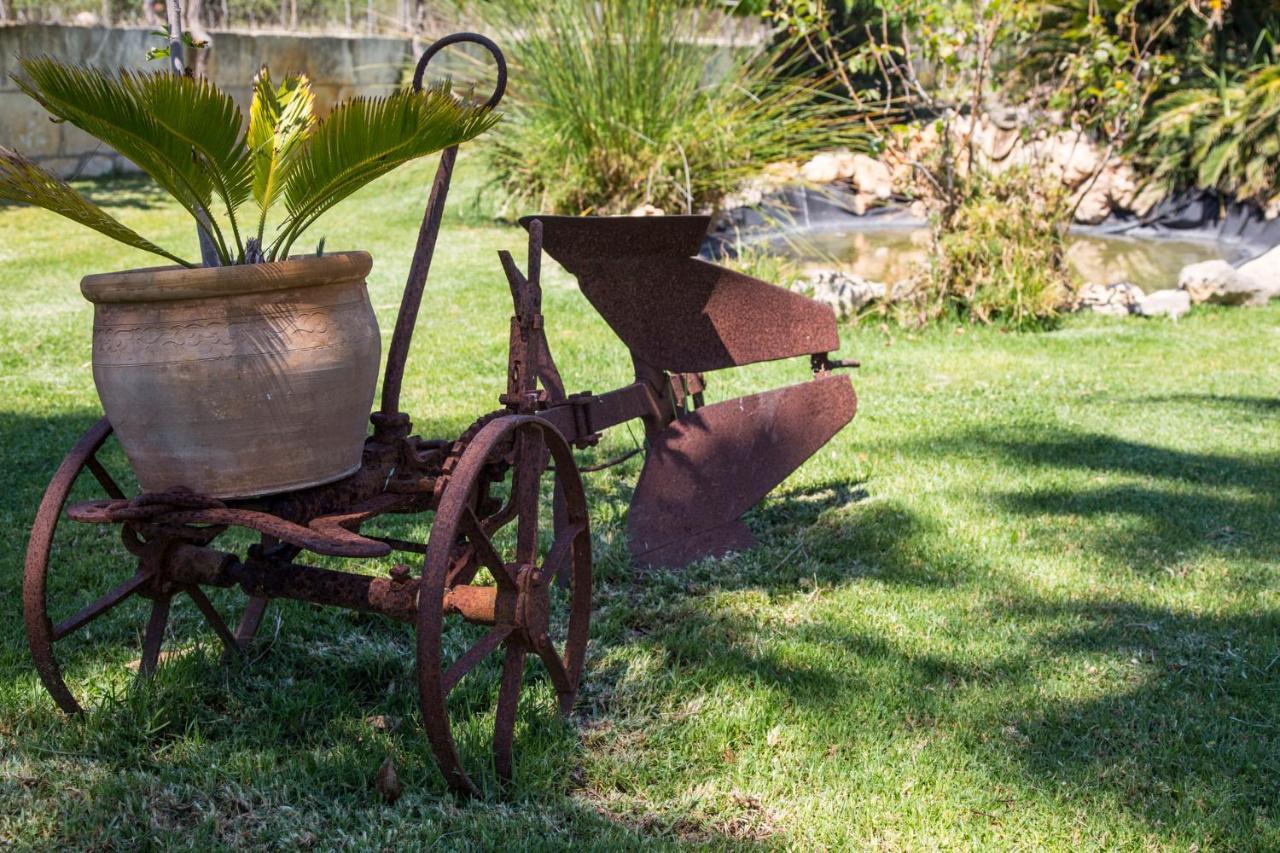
x=797 y=209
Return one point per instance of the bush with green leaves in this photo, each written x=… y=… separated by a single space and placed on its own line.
x=622 y=102
x=1219 y=134
x=190 y=137
x=1002 y=260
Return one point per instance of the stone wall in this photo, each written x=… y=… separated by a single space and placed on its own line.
x=339 y=67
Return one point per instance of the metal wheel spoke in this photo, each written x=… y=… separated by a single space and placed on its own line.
x=559 y=676
x=474 y=655
x=249 y=621
x=104 y=478
x=557 y=560
x=504 y=725
x=95 y=609
x=154 y=637
x=213 y=618
x=485 y=551
x=464 y=567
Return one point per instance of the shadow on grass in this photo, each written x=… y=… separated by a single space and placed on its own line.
x=301 y=703
x=1187 y=745
x=1148 y=507
x=1252 y=405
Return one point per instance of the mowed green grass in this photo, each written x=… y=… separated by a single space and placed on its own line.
x=1027 y=600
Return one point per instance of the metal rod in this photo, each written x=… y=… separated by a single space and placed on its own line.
x=402 y=337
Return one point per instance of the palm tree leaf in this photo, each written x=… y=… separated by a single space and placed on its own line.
x=121 y=117
x=198 y=114
x=279 y=122
x=24 y=182
x=363 y=139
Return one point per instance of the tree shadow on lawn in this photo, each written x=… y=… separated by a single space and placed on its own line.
x=1253 y=405
x=1170 y=505
x=301 y=703
x=1166 y=745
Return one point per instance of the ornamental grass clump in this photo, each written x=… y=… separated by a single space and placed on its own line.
x=191 y=138
x=628 y=102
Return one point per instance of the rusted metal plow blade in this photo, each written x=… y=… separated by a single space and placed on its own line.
x=713 y=464
x=681 y=315
x=673 y=311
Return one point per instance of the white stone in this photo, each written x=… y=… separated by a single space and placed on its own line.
x=1164 y=303
x=822 y=169
x=1264 y=271
x=846 y=163
x=1222 y=284
x=845 y=293
x=647 y=210
x=1095 y=206
x=1077 y=156
x=1113 y=300
x=872 y=177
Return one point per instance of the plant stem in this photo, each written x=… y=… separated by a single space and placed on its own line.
x=212 y=255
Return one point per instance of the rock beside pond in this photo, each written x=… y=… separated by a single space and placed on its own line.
x=648 y=210
x=1164 y=303
x=1220 y=283
x=1264 y=271
x=871 y=176
x=823 y=168
x=845 y=293
x=1114 y=300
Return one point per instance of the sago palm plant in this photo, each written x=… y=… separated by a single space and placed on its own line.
x=191 y=138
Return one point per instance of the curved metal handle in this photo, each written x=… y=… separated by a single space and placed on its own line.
x=474 y=38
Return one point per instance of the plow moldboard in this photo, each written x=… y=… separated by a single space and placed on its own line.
x=713 y=464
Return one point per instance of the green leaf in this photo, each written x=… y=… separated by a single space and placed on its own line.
x=363 y=139
x=197 y=113
x=24 y=182
x=121 y=113
x=279 y=122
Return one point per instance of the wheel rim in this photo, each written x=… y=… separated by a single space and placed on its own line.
x=43 y=633
x=461 y=543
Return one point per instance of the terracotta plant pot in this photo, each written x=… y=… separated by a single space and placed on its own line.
x=237 y=381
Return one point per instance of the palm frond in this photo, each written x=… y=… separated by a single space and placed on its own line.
x=24 y=182
x=198 y=114
x=279 y=121
x=120 y=116
x=363 y=139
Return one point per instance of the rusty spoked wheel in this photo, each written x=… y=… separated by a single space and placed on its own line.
x=41 y=605
x=518 y=605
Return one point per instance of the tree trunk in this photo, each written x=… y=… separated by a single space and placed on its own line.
x=195 y=25
x=346 y=10
x=368 y=17
x=106 y=13
x=4 y=11
x=293 y=15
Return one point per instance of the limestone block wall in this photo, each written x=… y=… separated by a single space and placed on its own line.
x=339 y=67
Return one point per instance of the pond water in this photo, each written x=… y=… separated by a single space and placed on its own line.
x=889 y=253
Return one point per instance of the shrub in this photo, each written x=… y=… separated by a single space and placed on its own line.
x=1001 y=260
x=622 y=102
x=1220 y=135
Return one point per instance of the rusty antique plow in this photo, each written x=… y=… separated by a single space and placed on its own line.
x=509 y=547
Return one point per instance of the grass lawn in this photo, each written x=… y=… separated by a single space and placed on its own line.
x=1027 y=599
